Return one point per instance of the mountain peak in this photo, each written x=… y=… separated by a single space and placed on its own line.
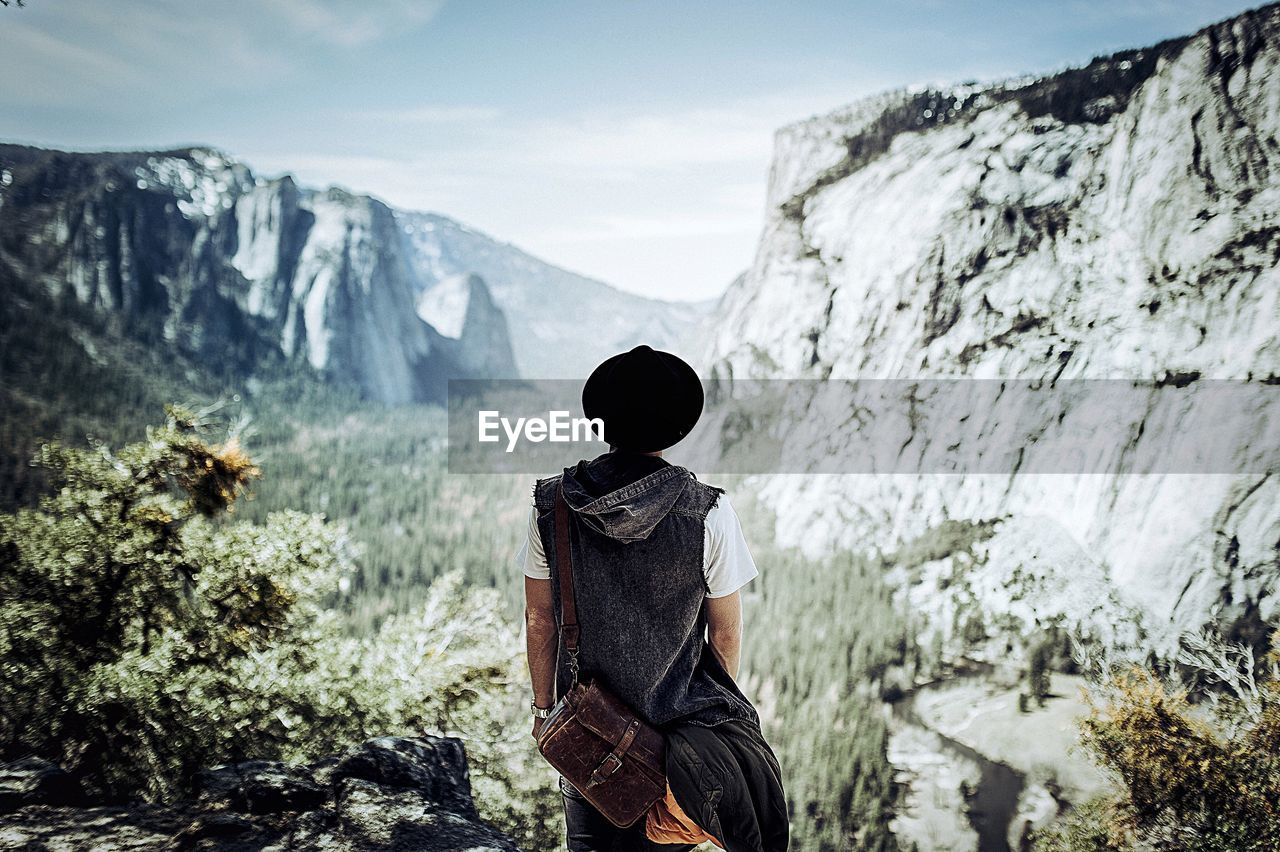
x=462 y=309
x=449 y=304
x=839 y=142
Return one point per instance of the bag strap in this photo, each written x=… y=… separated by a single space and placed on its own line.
x=564 y=567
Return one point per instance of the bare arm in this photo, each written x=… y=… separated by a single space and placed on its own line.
x=541 y=639
x=724 y=630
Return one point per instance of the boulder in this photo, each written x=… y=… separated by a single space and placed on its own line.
x=32 y=781
x=433 y=766
x=260 y=787
x=372 y=816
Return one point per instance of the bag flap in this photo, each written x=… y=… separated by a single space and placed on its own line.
x=604 y=715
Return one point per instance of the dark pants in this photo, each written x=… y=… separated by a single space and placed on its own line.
x=587 y=830
x=727 y=780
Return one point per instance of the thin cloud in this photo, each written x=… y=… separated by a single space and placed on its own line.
x=430 y=114
x=71 y=57
x=160 y=51
x=352 y=25
x=56 y=70
x=683 y=139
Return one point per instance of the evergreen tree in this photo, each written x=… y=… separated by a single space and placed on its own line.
x=1038 y=673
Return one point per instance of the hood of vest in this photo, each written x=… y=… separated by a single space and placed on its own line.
x=624 y=495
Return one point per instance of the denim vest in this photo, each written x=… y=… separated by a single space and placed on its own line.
x=637 y=535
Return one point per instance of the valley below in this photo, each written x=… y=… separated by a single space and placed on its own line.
x=978 y=772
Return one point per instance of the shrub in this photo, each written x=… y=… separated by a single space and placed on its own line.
x=1191 y=777
x=143 y=634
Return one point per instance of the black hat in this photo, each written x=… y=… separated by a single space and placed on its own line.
x=647 y=399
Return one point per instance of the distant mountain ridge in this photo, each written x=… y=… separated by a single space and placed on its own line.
x=1119 y=220
x=562 y=323
x=189 y=248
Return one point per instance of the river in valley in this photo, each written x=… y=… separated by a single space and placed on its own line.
x=993 y=802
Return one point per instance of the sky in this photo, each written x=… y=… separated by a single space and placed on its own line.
x=628 y=141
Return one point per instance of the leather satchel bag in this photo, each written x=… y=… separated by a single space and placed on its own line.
x=612 y=756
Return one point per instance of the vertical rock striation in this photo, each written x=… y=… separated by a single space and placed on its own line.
x=188 y=248
x=1117 y=220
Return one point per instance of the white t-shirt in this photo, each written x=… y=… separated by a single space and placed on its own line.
x=727 y=565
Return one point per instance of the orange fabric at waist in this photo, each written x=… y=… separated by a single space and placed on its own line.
x=666 y=822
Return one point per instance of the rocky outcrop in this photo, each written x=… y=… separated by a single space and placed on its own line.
x=475 y=328
x=1113 y=221
x=32 y=781
x=393 y=793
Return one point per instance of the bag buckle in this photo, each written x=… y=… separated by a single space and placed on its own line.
x=600 y=774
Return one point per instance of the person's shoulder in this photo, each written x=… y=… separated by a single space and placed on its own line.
x=699 y=498
x=722 y=518
x=544 y=492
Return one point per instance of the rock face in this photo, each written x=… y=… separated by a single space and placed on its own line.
x=187 y=248
x=562 y=324
x=391 y=793
x=1113 y=221
x=32 y=781
x=462 y=309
